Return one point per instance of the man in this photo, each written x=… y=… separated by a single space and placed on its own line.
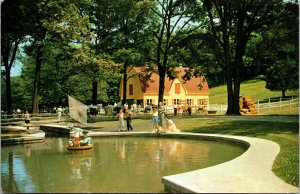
x=175 y=109
x=128 y=119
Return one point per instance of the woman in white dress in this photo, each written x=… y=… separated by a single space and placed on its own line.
x=171 y=127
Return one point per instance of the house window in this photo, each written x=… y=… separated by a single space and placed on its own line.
x=130 y=89
x=175 y=101
x=177 y=88
x=149 y=101
x=189 y=101
x=165 y=102
x=202 y=101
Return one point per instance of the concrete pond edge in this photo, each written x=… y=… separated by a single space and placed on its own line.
x=251 y=172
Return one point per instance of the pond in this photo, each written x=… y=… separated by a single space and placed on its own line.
x=115 y=164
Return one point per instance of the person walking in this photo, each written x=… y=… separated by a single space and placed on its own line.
x=128 y=119
x=27 y=119
x=120 y=115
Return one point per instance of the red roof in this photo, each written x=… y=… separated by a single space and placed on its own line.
x=194 y=85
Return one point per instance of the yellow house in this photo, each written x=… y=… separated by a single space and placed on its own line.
x=143 y=90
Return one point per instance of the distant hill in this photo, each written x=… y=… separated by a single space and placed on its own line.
x=253 y=88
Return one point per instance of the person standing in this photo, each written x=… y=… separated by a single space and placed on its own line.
x=189 y=110
x=27 y=119
x=120 y=116
x=59 y=113
x=128 y=119
x=19 y=112
x=155 y=120
x=161 y=114
x=175 y=109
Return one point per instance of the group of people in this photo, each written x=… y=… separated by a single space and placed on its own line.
x=75 y=134
x=161 y=122
x=128 y=116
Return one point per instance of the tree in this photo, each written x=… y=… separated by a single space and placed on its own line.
x=13 y=31
x=56 y=21
x=282 y=73
x=119 y=27
x=232 y=23
x=172 y=20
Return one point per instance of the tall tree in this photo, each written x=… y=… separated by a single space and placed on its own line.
x=283 y=72
x=119 y=25
x=13 y=31
x=57 y=21
x=173 y=19
x=232 y=23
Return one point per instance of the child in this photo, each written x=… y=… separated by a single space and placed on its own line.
x=72 y=135
x=155 y=120
x=120 y=115
x=87 y=139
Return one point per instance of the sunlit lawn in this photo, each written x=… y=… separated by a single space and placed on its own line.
x=286 y=134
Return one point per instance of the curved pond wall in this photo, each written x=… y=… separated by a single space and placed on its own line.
x=251 y=172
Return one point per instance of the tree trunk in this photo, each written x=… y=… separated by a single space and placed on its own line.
x=8 y=92
x=125 y=83
x=35 y=103
x=161 y=90
x=283 y=93
x=238 y=61
x=6 y=47
x=95 y=92
x=228 y=70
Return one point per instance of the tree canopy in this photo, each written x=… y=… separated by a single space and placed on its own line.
x=84 y=47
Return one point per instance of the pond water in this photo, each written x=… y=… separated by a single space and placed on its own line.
x=116 y=164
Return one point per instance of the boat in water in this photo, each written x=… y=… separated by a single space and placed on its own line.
x=78 y=148
x=75 y=144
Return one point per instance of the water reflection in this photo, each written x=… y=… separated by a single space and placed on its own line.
x=113 y=165
x=79 y=163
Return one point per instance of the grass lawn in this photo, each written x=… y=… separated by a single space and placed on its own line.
x=286 y=134
x=255 y=89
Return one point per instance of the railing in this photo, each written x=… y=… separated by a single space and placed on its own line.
x=261 y=105
x=278 y=103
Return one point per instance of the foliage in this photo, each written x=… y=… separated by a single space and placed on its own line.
x=80 y=43
x=232 y=23
x=283 y=75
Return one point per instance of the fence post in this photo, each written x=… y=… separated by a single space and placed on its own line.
x=269 y=104
x=280 y=103
x=258 y=106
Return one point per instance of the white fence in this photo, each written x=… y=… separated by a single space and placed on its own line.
x=261 y=105
x=277 y=103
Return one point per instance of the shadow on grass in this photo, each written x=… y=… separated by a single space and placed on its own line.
x=248 y=128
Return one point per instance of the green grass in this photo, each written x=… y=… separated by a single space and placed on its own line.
x=253 y=88
x=286 y=134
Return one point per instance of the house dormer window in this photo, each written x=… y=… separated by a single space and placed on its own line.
x=130 y=89
x=177 y=88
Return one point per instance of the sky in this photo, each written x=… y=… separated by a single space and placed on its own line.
x=16 y=69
